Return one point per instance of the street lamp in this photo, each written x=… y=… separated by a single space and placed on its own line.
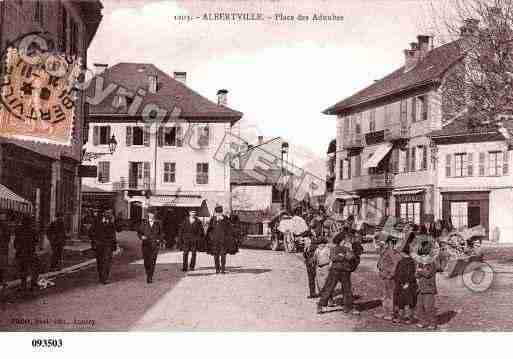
x=112 y=144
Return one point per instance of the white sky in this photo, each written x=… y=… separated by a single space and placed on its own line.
x=280 y=74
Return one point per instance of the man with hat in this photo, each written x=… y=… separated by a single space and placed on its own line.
x=150 y=233
x=103 y=241
x=219 y=234
x=191 y=233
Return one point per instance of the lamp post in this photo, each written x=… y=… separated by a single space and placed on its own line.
x=284 y=153
x=113 y=144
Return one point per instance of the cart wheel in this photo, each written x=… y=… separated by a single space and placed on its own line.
x=275 y=245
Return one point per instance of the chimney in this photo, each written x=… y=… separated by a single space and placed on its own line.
x=260 y=139
x=152 y=83
x=99 y=68
x=469 y=27
x=424 y=45
x=180 y=76
x=222 y=97
x=410 y=59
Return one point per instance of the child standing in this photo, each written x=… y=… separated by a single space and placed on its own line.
x=426 y=275
x=387 y=262
x=405 y=292
x=345 y=258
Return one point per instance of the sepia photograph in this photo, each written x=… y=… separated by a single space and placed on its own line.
x=232 y=166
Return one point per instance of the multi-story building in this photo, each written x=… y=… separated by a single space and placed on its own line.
x=47 y=174
x=474 y=178
x=384 y=159
x=174 y=164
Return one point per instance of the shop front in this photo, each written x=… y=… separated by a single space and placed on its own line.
x=410 y=205
x=466 y=209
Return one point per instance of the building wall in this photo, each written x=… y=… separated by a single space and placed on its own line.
x=186 y=157
x=500 y=188
x=18 y=19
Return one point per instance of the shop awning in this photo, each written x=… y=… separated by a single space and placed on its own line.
x=11 y=201
x=378 y=155
x=407 y=192
x=197 y=203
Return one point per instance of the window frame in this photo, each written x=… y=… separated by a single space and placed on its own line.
x=202 y=172
x=100 y=175
x=169 y=170
x=141 y=128
x=495 y=162
x=460 y=168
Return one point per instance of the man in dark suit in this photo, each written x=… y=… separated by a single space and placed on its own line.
x=150 y=233
x=191 y=234
x=103 y=241
x=220 y=238
x=57 y=237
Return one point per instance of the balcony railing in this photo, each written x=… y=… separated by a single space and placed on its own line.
x=378 y=180
x=353 y=141
x=125 y=184
x=397 y=131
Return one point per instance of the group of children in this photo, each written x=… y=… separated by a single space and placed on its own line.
x=407 y=268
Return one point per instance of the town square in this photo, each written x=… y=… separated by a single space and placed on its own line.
x=196 y=166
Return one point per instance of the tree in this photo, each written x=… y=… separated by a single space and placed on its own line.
x=481 y=84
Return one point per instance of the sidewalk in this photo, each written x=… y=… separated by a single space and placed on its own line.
x=78 y=255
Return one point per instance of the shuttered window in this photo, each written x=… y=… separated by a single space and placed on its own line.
x=470 y=164
x=103 y=171
x=505 y=165
x=129 y=136
x=146 y=136
x=481 y=163
x=202 y=173
x=448 y=165
x=407 y=160
x=424 y=164
x=404 y=108
x=412 y=159
x=413 y=109
x=169 y=172
x=101 y=135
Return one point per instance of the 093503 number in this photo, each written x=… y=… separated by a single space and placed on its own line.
x=47 y=343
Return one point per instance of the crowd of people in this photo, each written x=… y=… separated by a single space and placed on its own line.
x=221 y=237
x=407 y=267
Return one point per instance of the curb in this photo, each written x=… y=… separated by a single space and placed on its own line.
x=67 y=270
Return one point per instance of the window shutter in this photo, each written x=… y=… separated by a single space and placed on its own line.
x=470 y=165
x=407 y=161
x=448 y=166
x=179 y=135
x=412 y=159
x=107 y=171
x=146 y=174
x=146 y=136
x=349 y=168
x=424 y=157
x=96 y=135
x=160 y=136
x=505 y=165
x=413 y=109
x=358 y=165
x=129 y=137
x=341 y=170
x=481 y=163
x=108 y=133
x=395 y=160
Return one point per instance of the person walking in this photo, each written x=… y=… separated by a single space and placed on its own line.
x=219 y=235
x=191 y=234
x=57 y=236
x=103 y=241
x=311 y=245
x=150 y=233
x=25 y=244
x=427 y=291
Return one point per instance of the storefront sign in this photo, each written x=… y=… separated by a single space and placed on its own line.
x=87 y=171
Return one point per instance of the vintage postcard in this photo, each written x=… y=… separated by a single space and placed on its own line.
x=255 y=166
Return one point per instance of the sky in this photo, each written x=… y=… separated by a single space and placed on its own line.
x=281 y=74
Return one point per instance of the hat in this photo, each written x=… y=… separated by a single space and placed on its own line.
x=218 y=209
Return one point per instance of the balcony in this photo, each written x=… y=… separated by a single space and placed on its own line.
x=353 y=142
x=397 y=132
x=374 y=181
x=132 y=184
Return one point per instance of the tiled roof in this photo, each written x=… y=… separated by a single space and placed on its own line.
x=262 y=177
x=465 y=127
x=170 y=93
x=429 y=70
